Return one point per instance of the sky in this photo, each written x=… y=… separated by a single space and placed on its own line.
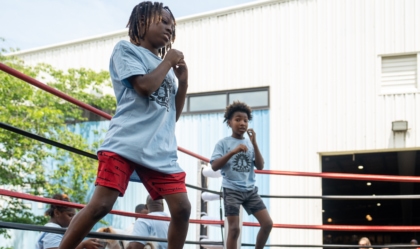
x=26 y=24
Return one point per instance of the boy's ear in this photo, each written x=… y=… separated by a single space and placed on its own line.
x=56 y=212
x=228 y=123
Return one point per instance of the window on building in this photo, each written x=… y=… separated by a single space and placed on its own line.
x=207 y=102
x=399 y=74
x=253 y=99
x=256 y=98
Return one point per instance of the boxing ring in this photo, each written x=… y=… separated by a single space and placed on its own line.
x=271 y=173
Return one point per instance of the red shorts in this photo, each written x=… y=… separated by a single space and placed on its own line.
x=114 y=172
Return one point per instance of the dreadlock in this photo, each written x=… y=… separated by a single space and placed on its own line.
x=237 y=106
x=141 y=17
x=61 y=197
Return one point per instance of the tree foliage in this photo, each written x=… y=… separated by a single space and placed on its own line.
x=29 y=166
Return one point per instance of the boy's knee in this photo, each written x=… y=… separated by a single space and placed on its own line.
x=234 y=231
x=267 y=226
x=182 y=211
x=185 y=210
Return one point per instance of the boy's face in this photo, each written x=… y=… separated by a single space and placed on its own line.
x=160 y=34
x=64 y=217
x=239 y=123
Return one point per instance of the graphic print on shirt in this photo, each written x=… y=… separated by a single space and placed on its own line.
x=242 y=162
x=162 y=95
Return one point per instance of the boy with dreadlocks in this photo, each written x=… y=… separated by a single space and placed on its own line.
x=141 y=136
x=236 y=157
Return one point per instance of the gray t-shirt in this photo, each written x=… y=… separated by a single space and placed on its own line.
x=152 y=228
x=143 y=128
x=238 y=173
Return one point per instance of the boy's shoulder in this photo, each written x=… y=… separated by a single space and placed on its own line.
x=126 y=47
x=123 y=44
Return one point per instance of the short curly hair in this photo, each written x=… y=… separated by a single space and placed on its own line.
x=237 y=106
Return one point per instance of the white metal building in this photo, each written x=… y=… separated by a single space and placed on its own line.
x=339 y=72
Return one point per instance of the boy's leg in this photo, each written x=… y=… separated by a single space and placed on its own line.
x=101 y=204
x=111 y=181
x=232 y=201
x=233 y=232
x=180 y=209
x=266 y=224
x=171 y=187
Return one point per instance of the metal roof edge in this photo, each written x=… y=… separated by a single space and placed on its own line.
x=179 y=20
x=76 y=41
x=228 y=10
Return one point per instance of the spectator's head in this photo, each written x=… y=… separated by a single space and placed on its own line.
x=60 y=215
x=154 y=205
x=413 y=242
x=141 y=209
x=364 y=242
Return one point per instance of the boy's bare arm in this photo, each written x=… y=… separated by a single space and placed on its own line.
x=147 y=84
x=259 y=160
x=181 y=72
x=180 y=99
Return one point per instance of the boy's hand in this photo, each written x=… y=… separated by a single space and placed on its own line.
x=252 y=135
x=174 y=57
x=181 y=72
x=92 y=244
x=240 y=148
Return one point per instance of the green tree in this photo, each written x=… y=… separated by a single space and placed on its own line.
x=22 y=160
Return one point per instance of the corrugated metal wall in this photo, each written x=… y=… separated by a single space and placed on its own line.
x=93 y=53
x=322 y=60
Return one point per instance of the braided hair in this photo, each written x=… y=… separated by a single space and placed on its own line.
x=141 y=17
x=237 y=106
x=61 y=197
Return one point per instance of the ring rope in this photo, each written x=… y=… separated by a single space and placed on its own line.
x=204 y=189
x=47 y=141
x=338 y=246
x=219 y=222
x=80 y=206
x=344 y=197
x=99 y=235
x=51 y=90
x=28 y=227
x=344 y=176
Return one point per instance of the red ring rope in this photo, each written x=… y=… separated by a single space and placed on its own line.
x=218 y=222
x=342 y=176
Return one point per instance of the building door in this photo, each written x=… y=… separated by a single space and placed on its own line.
x=371 y=212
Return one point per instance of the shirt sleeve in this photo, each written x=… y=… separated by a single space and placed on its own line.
x=52 y=240
x=141 y=228
x=127 y=63
x=218 y=152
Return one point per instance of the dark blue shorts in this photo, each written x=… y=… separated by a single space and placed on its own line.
x=250 y=200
